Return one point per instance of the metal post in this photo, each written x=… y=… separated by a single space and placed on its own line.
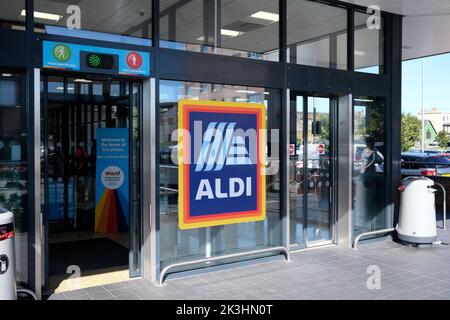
x=444 y=205
x=372 y=233
x=423 y=111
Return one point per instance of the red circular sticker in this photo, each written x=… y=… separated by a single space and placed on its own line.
x=134 y=60
x=321 y=149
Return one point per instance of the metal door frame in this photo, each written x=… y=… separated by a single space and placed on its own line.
x=333 y=111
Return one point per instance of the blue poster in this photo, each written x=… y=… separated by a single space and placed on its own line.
x=112 y=180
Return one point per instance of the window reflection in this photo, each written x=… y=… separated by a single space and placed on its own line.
x=181 y=245
x=240 y=28
x=12 y=15
x=317 y=34
x=13 y=162
x=369 y=45
x=368 y=165
x=129 y=18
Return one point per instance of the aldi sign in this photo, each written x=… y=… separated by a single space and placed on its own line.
x=221 y=152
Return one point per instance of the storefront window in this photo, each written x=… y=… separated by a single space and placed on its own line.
x=369 y=43
x=184 y=245
x=127 y=18
x=14 y=163
x=12 y=15
x=239 y=28
x=368 y=165
x=317 y=34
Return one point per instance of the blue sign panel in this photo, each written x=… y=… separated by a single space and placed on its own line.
x=221 y=169
x=83 y=58
x=112 y=180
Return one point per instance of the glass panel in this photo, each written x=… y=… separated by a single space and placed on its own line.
x=14 y=162
x=128 y=18
x=369 y=44
x=296 y=191
x=12 y=15
x=239 y=28
x=184 y=245
x=317 y=34
x=319 y=169
x=368 y=165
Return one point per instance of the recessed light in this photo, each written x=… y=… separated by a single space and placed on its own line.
x=18 y=28
x=230 y=33
x=266 y=16
x=6 y=75
x=360 y=53
x=246 y=91
x=43 y=15
x=82 y=81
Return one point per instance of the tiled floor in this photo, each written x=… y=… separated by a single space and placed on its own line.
x=325 y=273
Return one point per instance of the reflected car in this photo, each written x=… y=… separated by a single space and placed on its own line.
x=425 y=164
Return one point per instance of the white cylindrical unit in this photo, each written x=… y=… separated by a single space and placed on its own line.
x=417 y=220
x=8 y=289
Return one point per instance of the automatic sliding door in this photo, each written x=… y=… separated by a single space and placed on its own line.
x=84 y=213
x=318 y=160
x=311 y=169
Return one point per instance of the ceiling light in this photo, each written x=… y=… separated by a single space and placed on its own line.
x=230 y=33
x=364 y=100
x=6 y=75
x=266 y=16
x=43 y=15
x=18 y=28
x=360 y=53
x=241 y=100
x=82 y=80
x=246 y=91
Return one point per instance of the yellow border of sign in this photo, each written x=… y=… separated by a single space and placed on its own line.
x=181 y=223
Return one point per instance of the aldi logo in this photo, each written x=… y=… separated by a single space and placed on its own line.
x=221 y=150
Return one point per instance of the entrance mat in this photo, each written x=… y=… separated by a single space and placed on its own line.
x=89 y=255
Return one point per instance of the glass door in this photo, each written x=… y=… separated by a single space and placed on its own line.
x=90 y=135
x=311 y=169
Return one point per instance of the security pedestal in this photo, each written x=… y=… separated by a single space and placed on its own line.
x=8 y=289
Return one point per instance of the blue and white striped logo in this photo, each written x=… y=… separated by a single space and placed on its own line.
x=220 y=147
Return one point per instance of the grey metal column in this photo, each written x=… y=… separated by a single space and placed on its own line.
x=285 y=143
x=150 y=257
x=37 y=215
x=345 y=171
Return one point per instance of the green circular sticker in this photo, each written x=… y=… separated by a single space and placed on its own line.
x=61 y=52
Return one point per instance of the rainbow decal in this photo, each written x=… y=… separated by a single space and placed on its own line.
x=221 y=154
x=112 y=187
